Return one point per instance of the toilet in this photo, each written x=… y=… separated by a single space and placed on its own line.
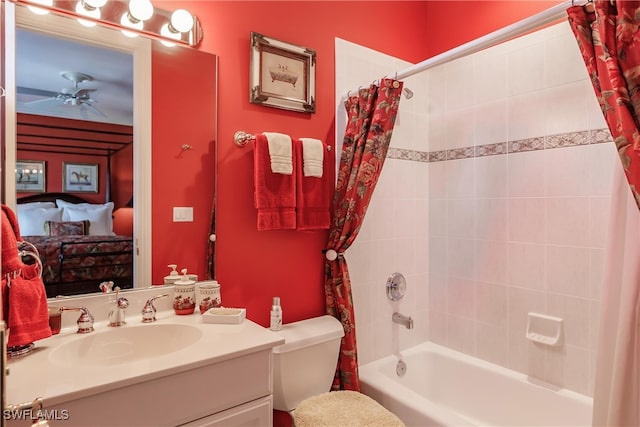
x=303 y=371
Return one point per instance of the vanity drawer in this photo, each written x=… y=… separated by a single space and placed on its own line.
x=178 y=398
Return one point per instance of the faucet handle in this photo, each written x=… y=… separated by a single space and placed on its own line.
x=149 y=310
x=85 y=321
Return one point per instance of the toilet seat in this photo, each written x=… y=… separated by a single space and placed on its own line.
x=343 y=408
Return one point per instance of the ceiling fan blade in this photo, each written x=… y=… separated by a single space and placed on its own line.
x=87 y=106
x=37 y=92
x=41 y=101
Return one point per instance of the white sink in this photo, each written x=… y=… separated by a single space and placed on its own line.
x=125 y=344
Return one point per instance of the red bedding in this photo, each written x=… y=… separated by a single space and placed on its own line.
x=67 y=259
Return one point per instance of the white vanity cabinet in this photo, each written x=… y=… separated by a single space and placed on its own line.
x=222 y=378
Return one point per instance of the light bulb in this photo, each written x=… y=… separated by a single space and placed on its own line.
x=141 y=9
x=96 y=3
x=81 y=10
x=165 y=31
x=39 y=10
x=125 y=21
x=182 y=21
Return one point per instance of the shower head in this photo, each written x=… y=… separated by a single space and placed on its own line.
x=408 y=93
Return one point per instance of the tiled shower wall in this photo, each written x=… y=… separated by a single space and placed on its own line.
x=494 y=202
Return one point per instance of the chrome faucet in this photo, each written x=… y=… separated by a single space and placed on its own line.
x=85 y=321
x=117 y=313
x=149 y=311
x=401 y=319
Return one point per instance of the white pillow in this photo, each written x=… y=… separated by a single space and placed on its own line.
x=35 y=205
x=88 y=207
x=100 y=219
x=31 y=221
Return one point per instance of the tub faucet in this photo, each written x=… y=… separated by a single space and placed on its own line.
x=401 y=319
x=117 y=313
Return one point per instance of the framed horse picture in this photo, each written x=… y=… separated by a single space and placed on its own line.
x=79 y=178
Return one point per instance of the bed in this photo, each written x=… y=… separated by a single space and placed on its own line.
x=78 y=250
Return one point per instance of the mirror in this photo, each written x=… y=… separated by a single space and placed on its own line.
x=137 y=179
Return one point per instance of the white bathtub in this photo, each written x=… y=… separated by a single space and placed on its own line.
x=442 y=387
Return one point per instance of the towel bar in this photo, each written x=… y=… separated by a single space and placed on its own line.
x=241 y=138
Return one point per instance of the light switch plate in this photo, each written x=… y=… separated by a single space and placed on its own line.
x=182 y=214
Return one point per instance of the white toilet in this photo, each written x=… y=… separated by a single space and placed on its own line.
x=303 y=371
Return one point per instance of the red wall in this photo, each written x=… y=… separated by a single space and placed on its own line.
x=254 y=266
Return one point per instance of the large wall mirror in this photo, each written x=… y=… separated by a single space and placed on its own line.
x=78 y=145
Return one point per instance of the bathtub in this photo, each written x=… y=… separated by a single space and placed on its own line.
x=442 y=387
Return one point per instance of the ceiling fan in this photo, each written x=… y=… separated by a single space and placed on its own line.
x=75 y=96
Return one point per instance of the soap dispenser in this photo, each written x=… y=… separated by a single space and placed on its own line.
x=172 y=277
x=276 y=315
x=184 y=294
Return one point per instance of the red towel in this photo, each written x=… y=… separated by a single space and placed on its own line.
x=275 y=194
x=25 y=308
x=313 y=194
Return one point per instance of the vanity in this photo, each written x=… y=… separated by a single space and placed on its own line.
x=176 y=371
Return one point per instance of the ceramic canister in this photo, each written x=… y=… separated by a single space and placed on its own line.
x=184 y=296
x=209 y=295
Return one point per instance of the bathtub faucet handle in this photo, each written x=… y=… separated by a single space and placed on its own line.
x=401 y=319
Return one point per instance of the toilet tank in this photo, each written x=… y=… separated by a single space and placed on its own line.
x=305 y=364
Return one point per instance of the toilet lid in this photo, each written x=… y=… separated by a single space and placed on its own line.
x=343 y=408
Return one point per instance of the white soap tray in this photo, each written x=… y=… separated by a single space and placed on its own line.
x=224 y=315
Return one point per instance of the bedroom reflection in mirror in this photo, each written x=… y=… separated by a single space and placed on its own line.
x=83 y=238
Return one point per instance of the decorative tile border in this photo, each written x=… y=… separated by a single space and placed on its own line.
x=572 y=139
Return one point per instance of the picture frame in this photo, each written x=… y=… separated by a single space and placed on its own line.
x=79 y=178
x=31 y=176
x=282 y=75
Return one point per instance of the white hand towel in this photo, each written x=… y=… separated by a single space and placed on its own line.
x=312 y=157
x=281 y=152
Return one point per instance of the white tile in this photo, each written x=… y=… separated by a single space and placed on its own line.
x=491 y=261
x=567 y=221
x=460 y=218
x=526 y=116
x=461 y=258
x=567 y=108
x=596 y=270
x=491 y=219
x=460 y=178
x=491 y=304
x=526 y=70
x=575 y=314
x=604 y=160
x=491 y=343
x=438 y=292
x=460 y=128
x=567 y=171
x=563 y=61
x=438 y=255
x=489 y=76
x=526 y=172
x=459 y=85
x=461 y=334
x=568 y=270
x=438 y=217
x=490 y=124
x=405 y=218
x=491 y=176
x=461 y=297
x=599 y=208
x=438 y=179
x=438 y=327
x=569 y=367
x=527 y=220
x=526 y=266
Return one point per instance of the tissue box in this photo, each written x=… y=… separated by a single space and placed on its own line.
x=224 y=315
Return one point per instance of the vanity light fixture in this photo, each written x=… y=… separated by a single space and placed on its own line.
x=40 y=10
x=84 y=8
x=135 y=17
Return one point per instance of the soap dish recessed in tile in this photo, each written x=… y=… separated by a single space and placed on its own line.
x=224 y=315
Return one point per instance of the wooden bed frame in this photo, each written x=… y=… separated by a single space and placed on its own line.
x=75 y=287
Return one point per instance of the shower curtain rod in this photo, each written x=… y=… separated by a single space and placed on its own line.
x=545 y=17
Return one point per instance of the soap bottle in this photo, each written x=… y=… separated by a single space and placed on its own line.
x=276 y=315
x=184 y=290
x=172 y=277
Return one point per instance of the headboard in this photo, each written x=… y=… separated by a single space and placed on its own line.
x=51 y=197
